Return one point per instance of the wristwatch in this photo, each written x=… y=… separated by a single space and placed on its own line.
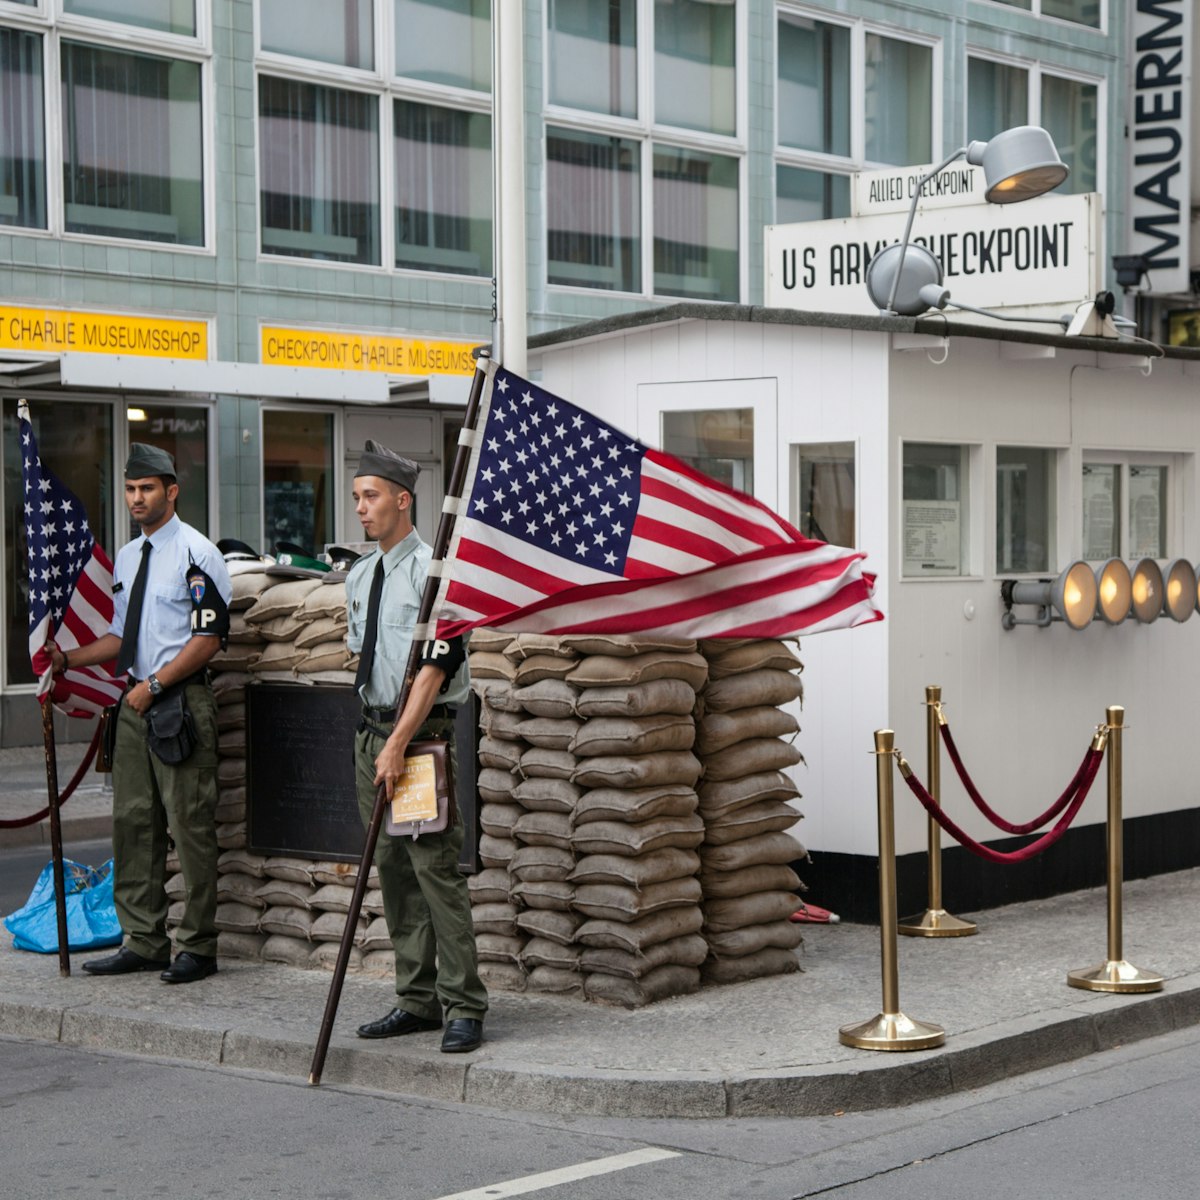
x=153 y=684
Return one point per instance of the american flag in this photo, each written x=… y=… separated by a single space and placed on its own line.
x=570 y=526
x=70 y=584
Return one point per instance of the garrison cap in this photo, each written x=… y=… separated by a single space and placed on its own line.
x=144 y=461
x=387 y=464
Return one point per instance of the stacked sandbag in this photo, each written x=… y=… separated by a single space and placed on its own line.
x=498 y=938
x=636 y=826
x=303 y=625
x=743 y=740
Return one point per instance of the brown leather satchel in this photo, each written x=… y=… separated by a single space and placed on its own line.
x=423 y=798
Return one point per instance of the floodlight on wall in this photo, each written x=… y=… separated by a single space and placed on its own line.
x=1070 y=598
x=1114 y=591
x=1018 y=164
x=1147 y=591
x=1179 y=589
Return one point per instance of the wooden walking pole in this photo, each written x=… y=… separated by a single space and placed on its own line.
x=1115 y=975
x=935 y=921
x=440 y=545
x=56 y=850
x=891 y=1029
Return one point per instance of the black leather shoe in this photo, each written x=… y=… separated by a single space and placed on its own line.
x=462 y=1035
x=188 y=967
x=396 y=1024
x=124 y=962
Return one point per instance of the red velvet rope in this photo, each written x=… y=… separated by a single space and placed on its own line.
x=1091 y=766
x=992 y=815
x=34 y=818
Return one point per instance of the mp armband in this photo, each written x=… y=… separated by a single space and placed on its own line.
x=447 y=654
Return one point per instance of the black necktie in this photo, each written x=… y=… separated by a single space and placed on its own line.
x=366 y=657
x=133 y=615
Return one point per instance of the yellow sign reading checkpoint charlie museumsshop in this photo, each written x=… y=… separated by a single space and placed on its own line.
x=54 y=330
x=346 y=351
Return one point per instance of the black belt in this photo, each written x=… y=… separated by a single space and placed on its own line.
x=199 y=677
x=439 y=712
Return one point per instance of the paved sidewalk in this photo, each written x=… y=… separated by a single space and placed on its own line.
x=765 y=1048
x=87 y=813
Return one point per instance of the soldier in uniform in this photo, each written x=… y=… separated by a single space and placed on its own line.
x=171 y=593
x=425 y=898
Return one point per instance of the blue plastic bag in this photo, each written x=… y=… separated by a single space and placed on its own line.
x=91 y=912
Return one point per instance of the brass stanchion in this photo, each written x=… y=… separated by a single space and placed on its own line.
x=1115 y=975
x=935 y=921
x=891 y=1029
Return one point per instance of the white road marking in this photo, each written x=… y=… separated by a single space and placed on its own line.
x=535 y=1183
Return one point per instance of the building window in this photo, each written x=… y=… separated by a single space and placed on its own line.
x=1025 y=495
x=694 y=65
x=132 y=157
x=166 y=16
x=718 y=441
x=1079 y=12
x=624 y=171
x=332 y=31
x=409 y=133
x=1001 y=95
x=934 y=510
x=824 y=476
x=75 y=441
x=22 y=131
x=696 y=224
x=447 y=42
x=319 y=171
x=848 y=97
x=591 y=53
x=297 y=472
x=443 y=165
x=593 y=210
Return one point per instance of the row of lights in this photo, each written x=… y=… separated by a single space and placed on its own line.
x=1110 y=592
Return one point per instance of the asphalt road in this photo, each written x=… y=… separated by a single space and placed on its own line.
x=79 y=1122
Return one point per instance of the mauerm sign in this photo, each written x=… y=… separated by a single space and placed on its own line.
x=54 y=330
x=1043 y=252
x=345 y=351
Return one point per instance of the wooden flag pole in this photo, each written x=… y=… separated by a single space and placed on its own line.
x=56 y=850
x=441 y=544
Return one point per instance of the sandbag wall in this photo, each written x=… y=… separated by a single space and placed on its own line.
x=277 y=908
x=592 y=821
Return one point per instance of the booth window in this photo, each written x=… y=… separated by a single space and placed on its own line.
x=934 y=510
x=824 y=475
x=132 y=145
x=75 y=441
x=297 y=479
x=22 y=131
x=182 y=431
x=717 y=441
x=443 y=171
x=644 y=192
x=1126 y=506
x=821 y=135
x=1025 y=495
x=1001 y=95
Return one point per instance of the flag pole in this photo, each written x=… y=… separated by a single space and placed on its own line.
x=56 y=850
x=441 y=544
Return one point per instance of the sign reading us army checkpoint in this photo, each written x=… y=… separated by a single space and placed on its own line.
x=1042 y=252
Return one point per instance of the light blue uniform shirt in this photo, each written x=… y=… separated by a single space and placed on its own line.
x=167 y=608
x=405 y=567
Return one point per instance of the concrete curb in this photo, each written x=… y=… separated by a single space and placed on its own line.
x=968 y=1061
x=74 y=829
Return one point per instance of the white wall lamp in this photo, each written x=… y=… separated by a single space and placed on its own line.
x=1179 y=589
x=1018 y=164
x=1071 y=598
x=1147 y=591
x=1114 y=591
